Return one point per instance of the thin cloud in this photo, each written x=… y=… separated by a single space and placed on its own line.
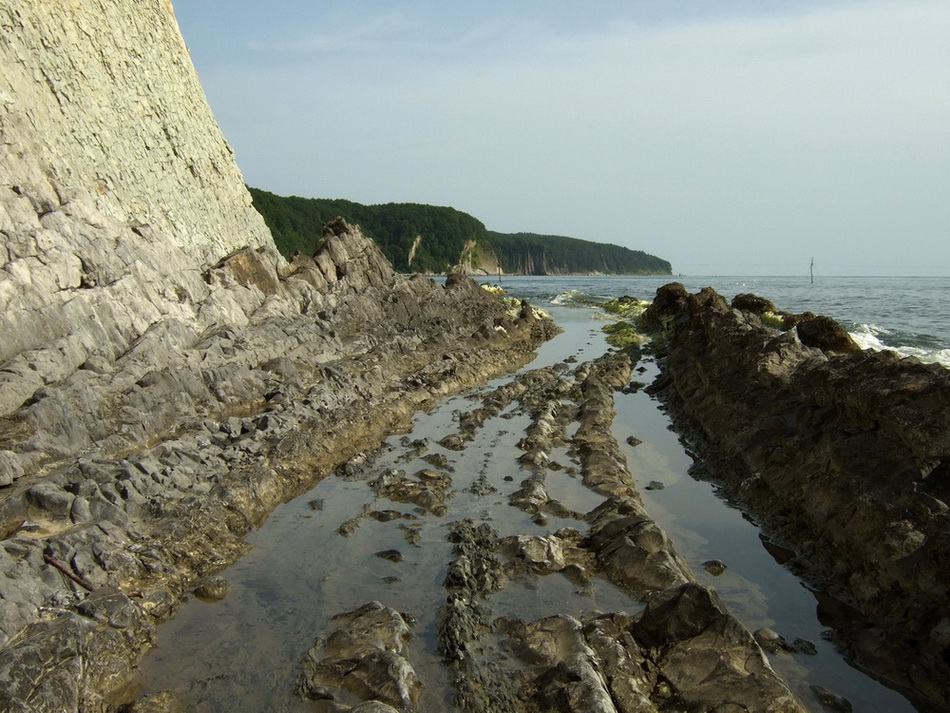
x=381 y=30
x=822 y=128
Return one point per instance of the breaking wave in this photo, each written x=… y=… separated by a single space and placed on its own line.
x=925 y=347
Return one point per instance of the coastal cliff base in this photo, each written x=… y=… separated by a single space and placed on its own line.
x=498 y=557
x=129 y=480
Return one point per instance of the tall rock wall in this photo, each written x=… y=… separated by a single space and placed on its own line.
x=117 y=189
x=99 y=98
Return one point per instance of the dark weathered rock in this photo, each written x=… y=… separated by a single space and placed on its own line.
x=832 y=701
x=63 y=659
x=549 y=553
x=163 y=702
x=841 y=454
x=753 y=303
x=826 y=334
x=427 y=489
x=683 y=653
x=365 y=657
x=212 y=589
x=632 y=550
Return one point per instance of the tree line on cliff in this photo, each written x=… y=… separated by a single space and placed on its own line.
x=431 y=239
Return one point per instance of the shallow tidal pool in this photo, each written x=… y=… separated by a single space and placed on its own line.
x=243 y=653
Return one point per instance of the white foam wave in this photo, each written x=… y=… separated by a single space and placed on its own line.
x=930 y=356
x=868 y=336
x=574 y=298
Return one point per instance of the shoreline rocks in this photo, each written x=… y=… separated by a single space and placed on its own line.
x=681 y=650
x=365 y=658
x=841 y=455
x=157 y=518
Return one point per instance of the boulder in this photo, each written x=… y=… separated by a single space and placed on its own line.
x=365 y=657
x=826 y=334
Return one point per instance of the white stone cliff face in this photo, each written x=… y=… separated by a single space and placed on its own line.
x=139 y=289
x=99 y=98
x=117 y=189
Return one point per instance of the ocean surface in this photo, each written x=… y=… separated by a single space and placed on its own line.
x=910 y=315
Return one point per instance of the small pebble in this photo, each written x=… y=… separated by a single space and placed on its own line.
x=212 y=589
x=832 y=701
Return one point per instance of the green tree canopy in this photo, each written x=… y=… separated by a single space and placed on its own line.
x=435 y=237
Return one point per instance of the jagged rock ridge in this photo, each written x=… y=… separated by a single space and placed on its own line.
x=844 y=457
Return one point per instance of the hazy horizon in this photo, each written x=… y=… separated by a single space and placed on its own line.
x=736 y=138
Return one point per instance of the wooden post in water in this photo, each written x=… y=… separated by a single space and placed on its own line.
x=811 y=270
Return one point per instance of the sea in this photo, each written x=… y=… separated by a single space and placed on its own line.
x=910 y=315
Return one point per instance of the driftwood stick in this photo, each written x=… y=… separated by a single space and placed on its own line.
x=68 y=572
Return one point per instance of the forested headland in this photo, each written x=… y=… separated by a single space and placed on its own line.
x=432 y=239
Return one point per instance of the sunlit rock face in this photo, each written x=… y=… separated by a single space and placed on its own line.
x=100 y=102
x=117 y=190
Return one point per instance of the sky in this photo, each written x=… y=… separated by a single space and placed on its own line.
x=730 y=137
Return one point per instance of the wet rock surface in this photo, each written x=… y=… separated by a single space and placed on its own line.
x=677 y=649
x=842 y=455
x=486 y=640
x=683 y=652
x=363 y=659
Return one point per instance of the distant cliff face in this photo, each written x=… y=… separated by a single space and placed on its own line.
x=99 y=98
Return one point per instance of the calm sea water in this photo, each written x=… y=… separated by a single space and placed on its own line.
x=910 y=315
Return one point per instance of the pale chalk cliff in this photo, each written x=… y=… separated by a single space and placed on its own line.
x=100 y=102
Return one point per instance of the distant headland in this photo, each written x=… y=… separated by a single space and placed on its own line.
x=433 y=239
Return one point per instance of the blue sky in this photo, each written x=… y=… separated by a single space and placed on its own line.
x=728 y=137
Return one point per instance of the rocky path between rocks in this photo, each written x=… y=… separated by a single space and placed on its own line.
x=441 y=573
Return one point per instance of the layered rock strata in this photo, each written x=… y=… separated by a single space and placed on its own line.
x=682 y=651
x=675 y=646
x=843 y=455
x=215 y=432
x=166 y=378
